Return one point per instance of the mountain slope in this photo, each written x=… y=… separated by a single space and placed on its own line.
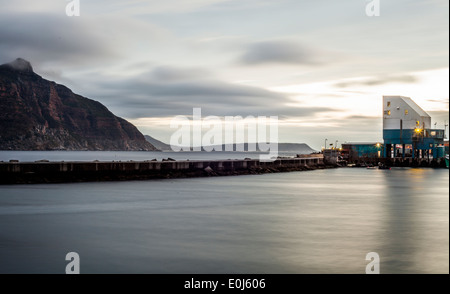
x=158 y=144
x=298 y=148
x=37 y=114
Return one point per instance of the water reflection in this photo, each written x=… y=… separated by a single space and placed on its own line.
x=415 y=206
x=323 y=221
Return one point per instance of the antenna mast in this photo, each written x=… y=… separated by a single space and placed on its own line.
x=445 y=129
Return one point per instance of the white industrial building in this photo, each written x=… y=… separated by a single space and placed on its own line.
x=407 y=130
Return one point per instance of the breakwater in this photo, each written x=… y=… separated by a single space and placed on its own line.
x=60 y=172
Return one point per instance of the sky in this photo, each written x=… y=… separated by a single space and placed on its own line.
x=321 y=66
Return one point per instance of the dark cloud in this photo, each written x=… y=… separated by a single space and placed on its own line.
x=150 y=95
x=169 y=74
x=379 y=81
x=47 y=38
x=284 y=52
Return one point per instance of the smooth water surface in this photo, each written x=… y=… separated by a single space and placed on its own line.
x=322 y=221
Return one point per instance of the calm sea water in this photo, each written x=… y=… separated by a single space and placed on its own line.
x=31 y=156
x=322 y=221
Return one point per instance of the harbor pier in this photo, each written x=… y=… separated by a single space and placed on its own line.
x=14 y=172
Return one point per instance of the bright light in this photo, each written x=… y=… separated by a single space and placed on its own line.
x=418 y=131
x=378 y=145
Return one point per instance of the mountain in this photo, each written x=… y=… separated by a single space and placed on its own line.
x=292 y=148
x=37 y=114
x=158 y=144
x=298 y=148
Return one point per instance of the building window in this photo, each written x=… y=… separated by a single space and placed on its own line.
x=389 y=104
x=406 y=111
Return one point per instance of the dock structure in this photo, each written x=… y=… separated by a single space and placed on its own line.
x=59 y=172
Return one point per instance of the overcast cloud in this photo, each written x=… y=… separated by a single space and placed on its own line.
x=168 y=91
x=279 y=52
x=379 y=81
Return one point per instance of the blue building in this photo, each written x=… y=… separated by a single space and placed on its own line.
x=361 y=151
x=407 y=130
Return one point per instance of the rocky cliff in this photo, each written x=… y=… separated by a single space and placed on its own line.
x=37 y=114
